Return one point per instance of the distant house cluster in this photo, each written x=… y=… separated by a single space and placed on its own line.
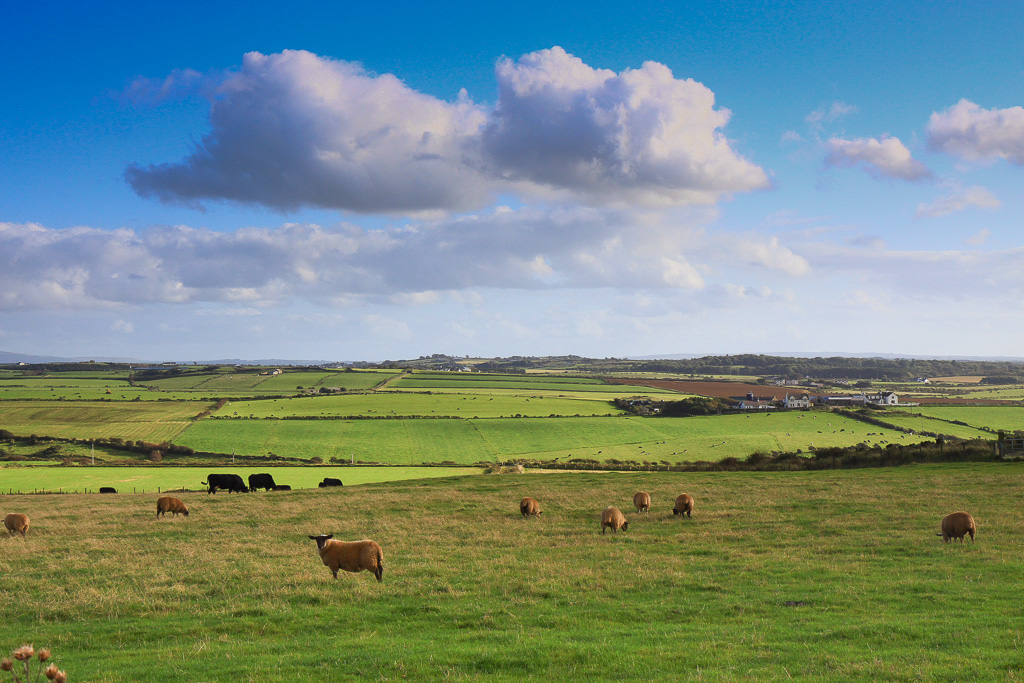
x=805 y=401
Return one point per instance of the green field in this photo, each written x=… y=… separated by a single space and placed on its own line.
x=923 y=423
x=472 y=382
x=148 y=421
x=1008 y=418
x=399 y=404
x=251 y=382
x=468 y=441
x=831 y=576
x=151 y=479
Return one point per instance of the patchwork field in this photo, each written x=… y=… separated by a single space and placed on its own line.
x=831 y=576
x=1008 y=418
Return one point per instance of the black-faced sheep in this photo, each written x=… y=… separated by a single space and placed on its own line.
x=529 y=507
x=957 y=525
x=16 y=523
x=351 y=556
x=613 y=519
x=684 y=505
x=642 y=501
x=168 y=504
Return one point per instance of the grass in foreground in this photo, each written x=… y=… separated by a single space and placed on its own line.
x=816 y=576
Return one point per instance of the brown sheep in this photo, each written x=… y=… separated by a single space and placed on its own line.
x=611 y=517
x=957 y=525
x=168 y=504
x=642 y=501
x=352 y=556
x=684 y=505
x=16 y=523
x=529 y=507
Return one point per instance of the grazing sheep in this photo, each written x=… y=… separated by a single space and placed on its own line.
x=957 y=525
x=684 y=505
x=352 y=556
x=16 y=523
x=611 y=517
x=642 y=501
x=529 y=506
x=167 y=504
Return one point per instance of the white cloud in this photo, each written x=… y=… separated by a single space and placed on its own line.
x=967 y=131
x=958 y=201
x=123 y=326
x=251 y=269
x=641 y=136
x=295 y=129
x=886 y=156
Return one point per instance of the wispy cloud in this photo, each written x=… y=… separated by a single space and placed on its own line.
x=975 y=196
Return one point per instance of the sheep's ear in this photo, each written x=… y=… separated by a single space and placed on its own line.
x=312 y=538
x=329 y=536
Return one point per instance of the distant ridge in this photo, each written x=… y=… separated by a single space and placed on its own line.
x=832 y=354
x=8 y=357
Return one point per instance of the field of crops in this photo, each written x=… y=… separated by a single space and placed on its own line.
x=397 y=404
x=155 y=479
x=834 y=576
x=484 y=383
x=149 y=421
x=468 y=441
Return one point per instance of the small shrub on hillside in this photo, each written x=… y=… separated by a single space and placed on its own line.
x=156 y=456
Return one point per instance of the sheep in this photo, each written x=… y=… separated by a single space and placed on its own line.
x=611 y=517
x=16 y=523
x=167 y=504
x=957 y=525
x=352 y=556
x=684 y=505
x=642 y=501
x=529 y=507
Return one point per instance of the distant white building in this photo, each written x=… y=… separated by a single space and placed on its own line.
x=796 y=401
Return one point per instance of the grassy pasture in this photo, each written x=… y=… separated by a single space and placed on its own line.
x=1008 y=418
x=467 y=441
x=383 y=404
x=151 y=421
x=149 y=479
x=923 y=423
x=832 y=576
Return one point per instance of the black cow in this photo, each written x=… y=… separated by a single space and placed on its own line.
x=282 y=487
x=330 y=481
x=229 y=482
x=108 y=489
x=261 y=481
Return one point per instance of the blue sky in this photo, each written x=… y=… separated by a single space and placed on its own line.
x=180 y=181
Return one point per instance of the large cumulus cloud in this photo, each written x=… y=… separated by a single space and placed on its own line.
x=641 y=135
x=295 y=129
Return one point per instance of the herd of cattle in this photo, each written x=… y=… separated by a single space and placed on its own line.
x=355 y=556
x=233 y=482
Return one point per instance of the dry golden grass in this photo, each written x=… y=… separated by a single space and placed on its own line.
x=472 y=591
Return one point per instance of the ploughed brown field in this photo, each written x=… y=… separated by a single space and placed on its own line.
x=713 y=389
